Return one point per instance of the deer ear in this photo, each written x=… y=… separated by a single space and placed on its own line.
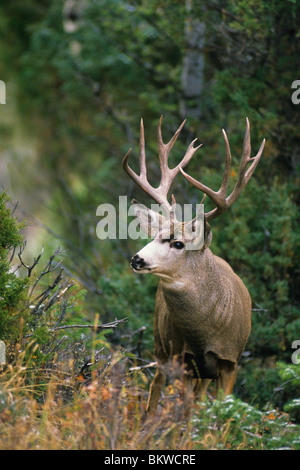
x=201 y=233
x=150 y=221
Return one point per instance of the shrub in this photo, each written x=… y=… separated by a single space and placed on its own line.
x=234 y=424
x=12 y=288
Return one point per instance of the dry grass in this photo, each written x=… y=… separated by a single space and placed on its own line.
x=56 y=410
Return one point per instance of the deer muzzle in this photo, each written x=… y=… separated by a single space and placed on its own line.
x=137 y=263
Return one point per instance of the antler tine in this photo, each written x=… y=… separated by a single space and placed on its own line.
x=225 y=180
x=143 y=183
x=164 y=149
x=244 y=172
x=167 y=174
x=143 y=168
x=219 y=197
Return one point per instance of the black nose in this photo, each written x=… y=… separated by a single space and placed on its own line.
x=137 y=262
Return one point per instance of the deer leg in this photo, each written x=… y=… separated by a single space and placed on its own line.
x=200 y=388
x=226 y=378
x=155 y=390
x=196 y=387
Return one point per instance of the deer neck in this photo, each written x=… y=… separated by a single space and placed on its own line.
x=193 y=284
x=196 y=269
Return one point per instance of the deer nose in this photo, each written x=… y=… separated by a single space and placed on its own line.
x=137 y=262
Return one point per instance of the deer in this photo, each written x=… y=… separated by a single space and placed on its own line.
x=202 y=307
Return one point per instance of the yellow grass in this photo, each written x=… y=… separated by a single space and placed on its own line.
x=55 y=410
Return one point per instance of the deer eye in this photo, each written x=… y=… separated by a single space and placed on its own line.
x=177 y=245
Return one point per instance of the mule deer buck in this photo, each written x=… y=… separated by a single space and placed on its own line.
x=203 y=309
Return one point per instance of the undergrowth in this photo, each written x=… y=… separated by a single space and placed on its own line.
x=66 y=385
x=64 y=410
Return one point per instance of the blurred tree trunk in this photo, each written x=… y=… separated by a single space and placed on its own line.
x=193 y=65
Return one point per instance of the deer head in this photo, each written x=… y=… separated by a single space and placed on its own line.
x=175 y=242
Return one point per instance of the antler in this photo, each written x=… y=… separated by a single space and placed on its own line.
x=160 y=193
x=219 y=197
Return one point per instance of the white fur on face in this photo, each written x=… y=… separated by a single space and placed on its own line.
x=161 y=257
x=155 y=254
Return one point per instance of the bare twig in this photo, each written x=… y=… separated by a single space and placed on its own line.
x=259 y=309
x=57 y=295
x=103 y=326
x=43 y=296
x=140 y=332
x=35 y=261
x=85 y=369
x=48 y=268
x=46 y=292
x=151 y=364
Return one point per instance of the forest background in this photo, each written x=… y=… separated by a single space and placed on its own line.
x=79 y=75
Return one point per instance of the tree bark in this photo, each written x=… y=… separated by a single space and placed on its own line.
x=193 y=66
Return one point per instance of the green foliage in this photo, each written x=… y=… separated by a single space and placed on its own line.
x=12 y=288
x=233 y=424
x=291 y=376
x=82 y=80
x=36 y=306
x=127 y=295
x=262 y=244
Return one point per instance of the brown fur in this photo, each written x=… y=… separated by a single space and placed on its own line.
x=203 y=309
x=207 y=318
